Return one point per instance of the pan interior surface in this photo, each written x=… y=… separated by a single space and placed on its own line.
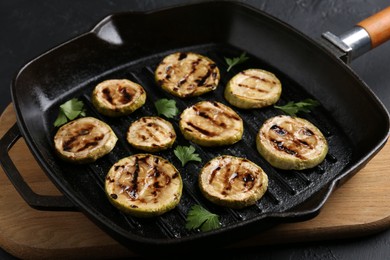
x=131 y=46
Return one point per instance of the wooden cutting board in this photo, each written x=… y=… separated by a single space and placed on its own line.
x=359 y=207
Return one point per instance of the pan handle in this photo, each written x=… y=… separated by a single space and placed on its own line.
x=378 y=27
x=34 y=200
x=366 y=35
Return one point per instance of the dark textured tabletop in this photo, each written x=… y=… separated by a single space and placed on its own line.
x=29 y=28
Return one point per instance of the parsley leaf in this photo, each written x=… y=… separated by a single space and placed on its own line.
x=166 y=107
x=186 y=154
x=292 y=108
x=237 y=60
x=198 y=217
x=69 y=110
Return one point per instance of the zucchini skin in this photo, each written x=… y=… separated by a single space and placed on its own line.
x=119 y=88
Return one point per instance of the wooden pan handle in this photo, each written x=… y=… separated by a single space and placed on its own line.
x=378 y=27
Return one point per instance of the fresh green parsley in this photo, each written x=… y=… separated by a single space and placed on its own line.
x=292 y=108
x=198 y=217
x=186 y=154
x=235 y=61
x=69 y=110
x=166 y=107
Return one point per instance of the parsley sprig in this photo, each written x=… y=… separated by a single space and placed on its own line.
x=199 y=217
x=236 y=60
x=292 y=108
x=166 y=107
x=186 y=154
x=69 y=110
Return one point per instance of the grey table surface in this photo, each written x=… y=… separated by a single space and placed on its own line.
x=29 y=28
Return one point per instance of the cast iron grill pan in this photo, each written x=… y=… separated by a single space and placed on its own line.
x=287 y=189
x=130 y=45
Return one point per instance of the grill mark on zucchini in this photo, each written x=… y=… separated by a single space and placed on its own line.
x=184 y=79
x=134 y=188
x=232 y=181
x=124 y=98
x=280 y=145
x=210 y=72
x=202 y=112
x=118 y=97
x=201 y=130
x=249 y=178
x=213 y=173
x=252 y=88
x=259 y=78
x=85 y=143
x=182 y=56
x=211 y=123
x=229 y=177
x=277 y=129
x=291 y=143
x=227 y=113
x=107 y=95
x=151 y=134
x=91 y=144
x=154 y=173
x=210 y=119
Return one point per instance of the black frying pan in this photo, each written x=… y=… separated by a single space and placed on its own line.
x=130 y=45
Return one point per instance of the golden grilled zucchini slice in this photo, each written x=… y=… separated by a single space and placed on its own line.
x=211 y=123
x=151 y=134
x=232 y=181
x=144 y=185
x=118 y=97
x=291 y=143
x=187 y=74
x=84 y=140
x=253 y=88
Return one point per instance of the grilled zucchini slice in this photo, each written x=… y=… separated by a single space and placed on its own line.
x=232 y=181
x=253 y=88
x=291 y=143
x=84 y=140
x=187 y=74
x=211 y=123
x=118 y=97
x=144 y=185
x=151 y=134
